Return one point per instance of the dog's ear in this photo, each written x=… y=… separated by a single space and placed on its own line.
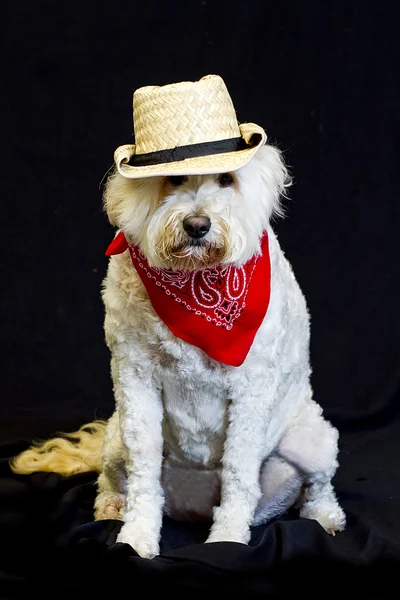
x=129 y=202
x=113 y=197
x=122 y=201
x=275 y=177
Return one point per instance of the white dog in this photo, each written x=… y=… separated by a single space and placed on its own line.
x=191 y=435
x=192 y=422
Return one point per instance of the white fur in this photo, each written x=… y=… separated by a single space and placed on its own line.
x=190 y=433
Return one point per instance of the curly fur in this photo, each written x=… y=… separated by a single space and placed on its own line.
x=192 y=437
x=75 y=452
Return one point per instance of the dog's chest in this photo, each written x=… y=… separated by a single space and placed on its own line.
x=195 y=410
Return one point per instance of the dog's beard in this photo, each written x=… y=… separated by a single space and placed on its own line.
x=173 y=249
x=195 y=255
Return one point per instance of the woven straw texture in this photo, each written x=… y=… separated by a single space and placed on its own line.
x=183 y=113
x=186 y=113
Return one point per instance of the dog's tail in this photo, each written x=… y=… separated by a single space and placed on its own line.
x=70 y=453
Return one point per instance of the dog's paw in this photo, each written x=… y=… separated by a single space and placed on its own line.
x=224 y=534
x=138 y=534
x=229 y=526
x=225 y=537
x=109 y=505
x=329 y=515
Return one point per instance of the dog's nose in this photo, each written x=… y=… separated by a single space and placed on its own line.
x=196 y=227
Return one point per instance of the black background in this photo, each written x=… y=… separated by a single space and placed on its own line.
x=320 y=77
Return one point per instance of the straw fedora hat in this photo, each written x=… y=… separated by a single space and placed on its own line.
x=187 y=128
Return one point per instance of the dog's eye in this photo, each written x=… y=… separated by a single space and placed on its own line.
x=177 y=179
x=225 y=180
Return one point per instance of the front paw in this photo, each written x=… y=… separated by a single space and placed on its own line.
x=229 y=526
x=228 y=534
x=141 y=537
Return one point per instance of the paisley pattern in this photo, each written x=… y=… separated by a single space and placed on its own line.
x=217 y=294
x=202 y=307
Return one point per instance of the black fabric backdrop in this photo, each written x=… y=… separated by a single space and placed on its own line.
x=321 y=78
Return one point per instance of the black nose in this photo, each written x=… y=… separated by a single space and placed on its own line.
x=196 y=227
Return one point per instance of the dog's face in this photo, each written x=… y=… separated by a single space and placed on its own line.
x=197 y=221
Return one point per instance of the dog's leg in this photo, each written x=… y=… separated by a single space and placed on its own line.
x=140 y=415
x=248 y=442
x=311 y=444
x=111 y=484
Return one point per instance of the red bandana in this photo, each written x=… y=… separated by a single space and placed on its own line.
x=219 y=309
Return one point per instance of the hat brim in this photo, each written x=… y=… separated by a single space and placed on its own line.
x=199 y=165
